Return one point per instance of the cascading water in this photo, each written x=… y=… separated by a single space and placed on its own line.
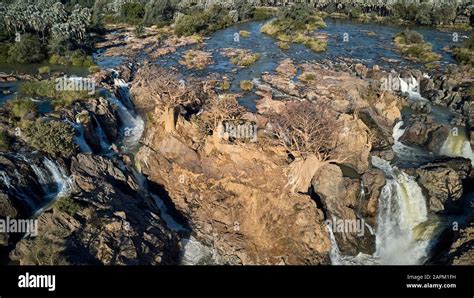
x=79 y=137
x=402 y=207
x=457 y=144
x=404 y=152
x=133 y=124
x=62 y=181
x=101 y=134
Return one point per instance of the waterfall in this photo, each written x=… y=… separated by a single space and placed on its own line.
x=79 y=137
x=457 y=145
x=133 y=124
x=101 y=134
x=403 y=151
x=402 y=207
x=412 y=87
x=5 y=179
x=62 y=181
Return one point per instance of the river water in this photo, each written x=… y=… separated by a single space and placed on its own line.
x=402 y=204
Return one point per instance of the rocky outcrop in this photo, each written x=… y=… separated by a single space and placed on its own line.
x=339 y=196
x=107 y=220
x=425 y=132
x=234 y=198
x=442 y=182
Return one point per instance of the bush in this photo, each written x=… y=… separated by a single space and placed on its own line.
x=246 y=85
x=48 y=90
x=283 y=45
x=94 y=69
x=28 y=50
x=263 y=13
x=294 y=24
x=72 y=58
x=159 y=11
x=244 y=33
x=4 y=48
x=225 y=85
x=201 y=22
x=133 y=12
x=67 y=205
x=53 y=137
x=44 y=70
x=5 y=140
x=22 y=107
x=316 y=45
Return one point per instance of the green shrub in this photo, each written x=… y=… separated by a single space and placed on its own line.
x=246 y=85
x=53 y=137
x=28 y=50
x=5 y=140
x=22 y=107
x=295 y=24
x=133 y=12
x=203 y=22
x=244 y=33
x=283 y=45
x=44 y=70
x=4 y=48
x=72 y=58
x=263 y=13
x=316 y=45
x=225 y=85
x=47 y=89
x=94 y=69
x=67 y=205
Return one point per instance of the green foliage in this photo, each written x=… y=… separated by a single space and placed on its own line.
x=4 y=48
x=59 y=45
x=28 y=50
x=411 y=44
x=44 y=70
x=283 y=45
x=133 y=12
x=203 y=22
x=53 y=137
x=5 y=140
x=47 y=89
x=246 y=85
x=22 y=107
x=296 y=24
x=48 y=248
x=225 y=85
x=67 y=205
x=159 y=11
x=465 y=54
x=263 y=13
x=72 y=58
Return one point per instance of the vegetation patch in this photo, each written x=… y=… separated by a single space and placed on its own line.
x=47 y=89
x=241 y=57
x=465 y=54
x=246 y=85
x=67 y=205
x=297 y=24
x=5 y=140
x=194 y=59
x=412 y=45
x=52 y=137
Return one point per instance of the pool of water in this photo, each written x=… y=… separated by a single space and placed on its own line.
x=370 y=50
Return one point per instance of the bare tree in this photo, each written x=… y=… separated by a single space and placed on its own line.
x=306 y=128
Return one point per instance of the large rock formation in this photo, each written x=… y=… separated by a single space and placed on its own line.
x=107 y=219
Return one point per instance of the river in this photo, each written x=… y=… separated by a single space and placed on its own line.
x=402 y=204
